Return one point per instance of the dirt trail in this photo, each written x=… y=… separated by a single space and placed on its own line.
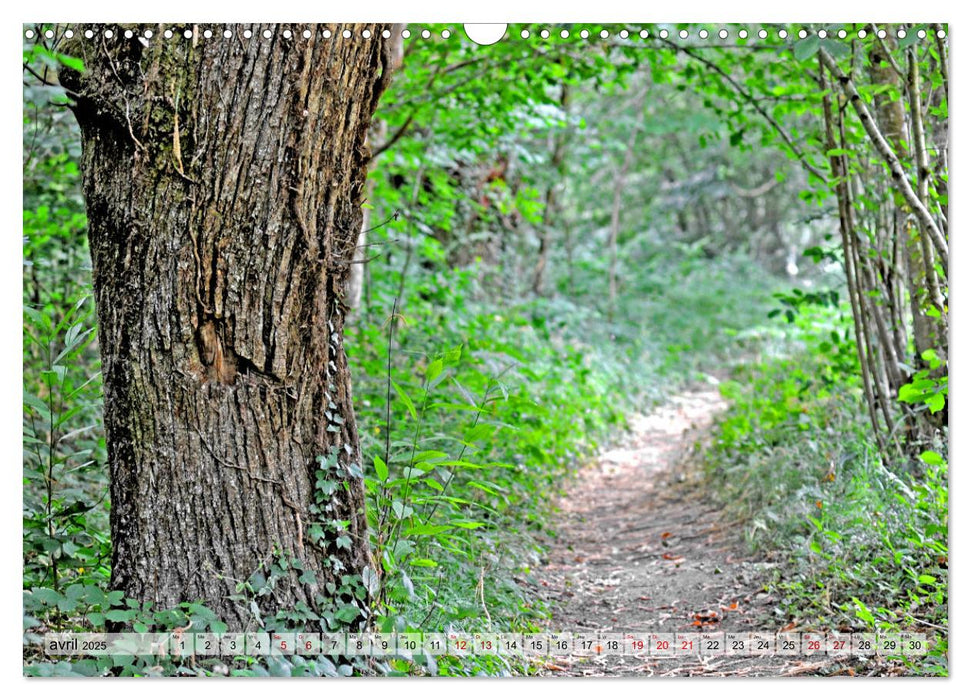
x=642 y=548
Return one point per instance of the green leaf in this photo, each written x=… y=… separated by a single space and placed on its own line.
x=425 y=563
x=836 y=49
x=467 y=524
x=480 y=432
x=380 y=468
x=426 y=529
x=38 y=406
x=910 y=394
x=401 y=510
x=46 y=596
x=71 y=62
x=932 y=458
x=120 y=615
x=371 y=580
x=935 y=402
x=482 y=487
x=863 y=612
x=96 y=618
x=434 y=369
x=348 y=613
x=431 y=456
x=805 y=48
x=909 y=39
x=405 y=399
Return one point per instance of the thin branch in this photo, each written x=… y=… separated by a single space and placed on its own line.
x=838 y=167
x=755 y=192
x=900 y=179
x=941 y=57
x=396 y=136
x=750 y=98
x=393 y=217
x=886 y=52
x=923 y=170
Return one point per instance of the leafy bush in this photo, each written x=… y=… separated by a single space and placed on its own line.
x=863 y=543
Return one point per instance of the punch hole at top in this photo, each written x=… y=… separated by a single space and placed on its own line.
x=485 y=34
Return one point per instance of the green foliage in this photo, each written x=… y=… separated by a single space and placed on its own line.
x=861 y=547
x=65 y=508
x=925 y=388
x=64 y=518
x=478 y=433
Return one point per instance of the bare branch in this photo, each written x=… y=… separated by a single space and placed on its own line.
x=886 y=52
x=750 y=98
x=899 y=177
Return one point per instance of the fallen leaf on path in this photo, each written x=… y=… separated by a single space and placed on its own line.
x=706 y=618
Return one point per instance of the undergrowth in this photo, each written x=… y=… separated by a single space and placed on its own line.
x=863 y=544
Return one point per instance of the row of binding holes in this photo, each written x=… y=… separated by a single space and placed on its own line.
x=724 y=34
x=228 y=33
x=525 y=34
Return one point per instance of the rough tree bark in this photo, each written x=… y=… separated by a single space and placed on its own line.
x=224 y=180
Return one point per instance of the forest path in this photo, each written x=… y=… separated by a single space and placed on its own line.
x=642 y=547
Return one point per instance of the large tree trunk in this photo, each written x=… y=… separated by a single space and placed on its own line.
x=223 y=180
